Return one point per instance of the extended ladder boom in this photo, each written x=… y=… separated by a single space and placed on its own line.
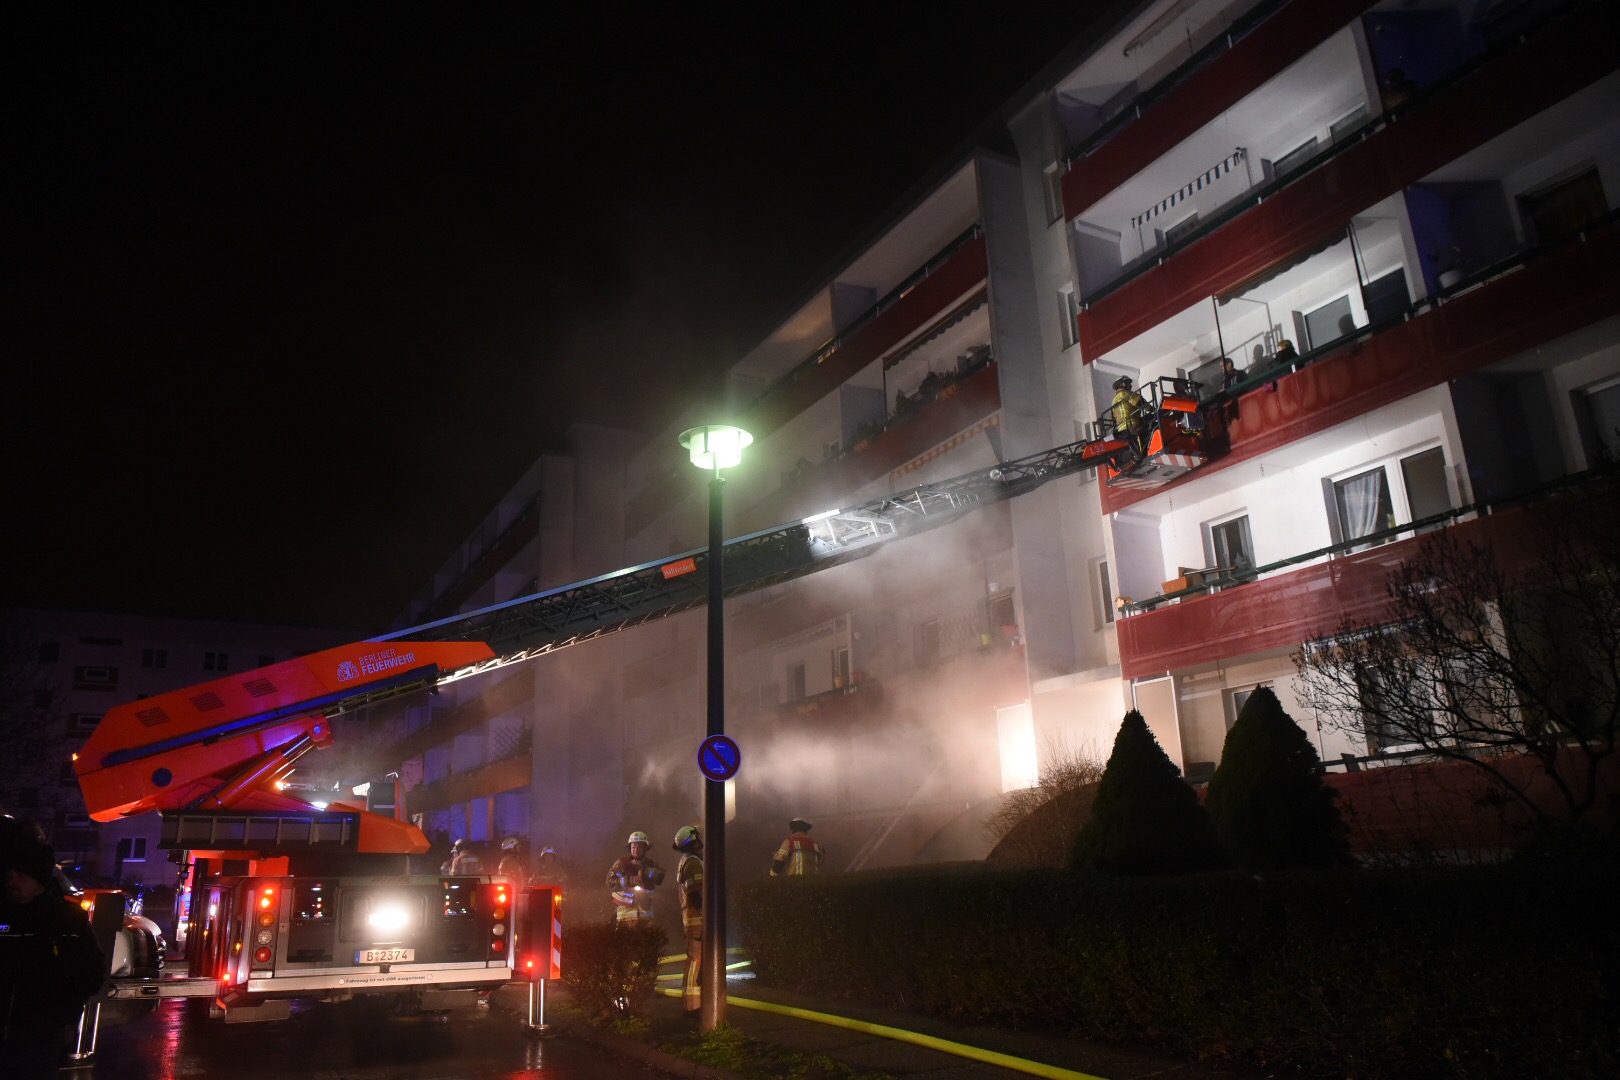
x=532 y=626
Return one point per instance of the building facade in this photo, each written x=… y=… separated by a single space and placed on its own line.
x=1394 y=221
x=65 y=669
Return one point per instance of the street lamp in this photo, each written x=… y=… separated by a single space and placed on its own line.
x=714 y=447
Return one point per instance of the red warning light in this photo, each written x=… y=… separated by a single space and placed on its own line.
x=497 y=945
x=262 y=955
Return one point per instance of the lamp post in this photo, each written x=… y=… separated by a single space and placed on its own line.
x=715 y=447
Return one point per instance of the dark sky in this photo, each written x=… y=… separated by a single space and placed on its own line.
x=300 y=292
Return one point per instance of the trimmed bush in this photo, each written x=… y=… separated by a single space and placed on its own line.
x=1442 y=972
x=1269 y=805
x=1146 y=820
x=611 y=971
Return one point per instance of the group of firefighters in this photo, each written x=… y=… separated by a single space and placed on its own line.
x=634 y=875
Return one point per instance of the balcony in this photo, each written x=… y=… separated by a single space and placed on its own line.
x=934 y=417
x=504 y=696
x=1565 y=55
x=943 y=281
x=1497 y=313
x=511 y=773
x=1257 y=46
x=1278 y=608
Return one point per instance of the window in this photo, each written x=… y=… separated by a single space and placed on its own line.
x=841 y=668
x=154 y=658
x=928 y=643
x=1425 y=478
x=1103 y=589
x=1236 y=699
x=1295 y=158
x=1364 y=505
x=83 y=723
x=132 y=849
x=1330 y=322
x=1600 y=420
x=1387 y=726
x=1374 y=500
x=1348 y=124
x=1562 y=208
x=49 y=652
x=796 y=682
x=216 y=661
x=1052 y=186
x=95 y=678
x=1180 y=229
x=1230 y=545
x=1069 y=302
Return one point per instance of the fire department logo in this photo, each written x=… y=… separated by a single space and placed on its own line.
x=347 y=671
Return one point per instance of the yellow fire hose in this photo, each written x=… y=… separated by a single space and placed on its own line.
x=973 y=1053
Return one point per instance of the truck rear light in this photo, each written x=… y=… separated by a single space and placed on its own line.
x=497 y=946
x=262 y=954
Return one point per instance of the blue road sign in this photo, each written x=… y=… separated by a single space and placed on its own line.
x=719 y=757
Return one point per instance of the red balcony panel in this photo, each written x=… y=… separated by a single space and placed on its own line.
x=1437 y=805
x=1551 y=66
x=1287 y=609
x=959 y=407
x=1559 y=293
x=1270 y=48
x=928 y=299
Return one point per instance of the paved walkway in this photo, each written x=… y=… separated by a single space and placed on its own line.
x=781 y=1022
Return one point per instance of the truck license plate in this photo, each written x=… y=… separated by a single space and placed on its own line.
x=384 y=956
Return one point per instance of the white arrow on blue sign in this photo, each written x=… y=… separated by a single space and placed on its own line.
x=718 y=758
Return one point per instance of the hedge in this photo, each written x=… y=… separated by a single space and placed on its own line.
x=1453 y=971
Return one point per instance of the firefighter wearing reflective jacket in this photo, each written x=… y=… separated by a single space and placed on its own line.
x=633 y=877
x=1127 y=411
x=798 y=855
x=689 y=880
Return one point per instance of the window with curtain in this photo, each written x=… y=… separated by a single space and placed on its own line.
x=1364 y=505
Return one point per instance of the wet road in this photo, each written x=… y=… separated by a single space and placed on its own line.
x=349 y=1041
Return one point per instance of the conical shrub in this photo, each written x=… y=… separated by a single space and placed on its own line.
x=1270 y=806
x=1146 y=820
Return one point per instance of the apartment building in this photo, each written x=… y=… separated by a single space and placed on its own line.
x=65 y=669
x=1415 y=197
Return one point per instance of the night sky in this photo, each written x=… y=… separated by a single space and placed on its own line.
x=300 y=292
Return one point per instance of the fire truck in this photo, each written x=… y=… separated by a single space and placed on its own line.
x=284 y=899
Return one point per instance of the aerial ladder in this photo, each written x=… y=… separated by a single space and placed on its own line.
x=207 y=758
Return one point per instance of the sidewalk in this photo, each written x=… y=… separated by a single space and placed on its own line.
x=1031 y=1054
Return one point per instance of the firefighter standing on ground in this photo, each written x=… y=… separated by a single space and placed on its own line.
x=689 y=880
x=633 y=877
x=512 y=861
x=799 y=854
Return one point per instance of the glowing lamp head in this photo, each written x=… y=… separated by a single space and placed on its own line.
x=715 y=446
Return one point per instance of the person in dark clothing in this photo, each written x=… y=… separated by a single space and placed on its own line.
x=50 y=963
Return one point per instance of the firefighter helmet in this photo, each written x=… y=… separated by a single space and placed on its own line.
x=1122 y=383
x=686 y=836
x=638 y=837
x=509 y=844
x=798 y=824
x=458 y=845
